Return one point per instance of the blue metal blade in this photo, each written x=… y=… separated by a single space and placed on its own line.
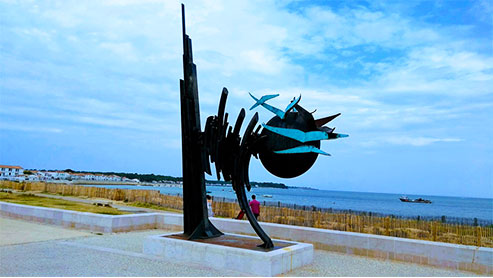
x=262 y=100
x=298 y=135
x=274 y=110
x=267 y=97
x=256 y=101
x=340 y=135
x=303 y=149
x=292 y=104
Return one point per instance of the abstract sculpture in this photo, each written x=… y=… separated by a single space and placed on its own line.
x=287 y=146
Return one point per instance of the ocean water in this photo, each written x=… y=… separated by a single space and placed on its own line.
x=382 y=203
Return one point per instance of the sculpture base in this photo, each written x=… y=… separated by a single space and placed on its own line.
x=232 y=252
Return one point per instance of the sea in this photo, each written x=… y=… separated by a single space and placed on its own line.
x=451 y=209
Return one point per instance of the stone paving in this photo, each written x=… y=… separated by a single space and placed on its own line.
x=32 y=249
x=17 y=232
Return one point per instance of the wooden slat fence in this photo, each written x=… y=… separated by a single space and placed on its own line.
x=389 y=226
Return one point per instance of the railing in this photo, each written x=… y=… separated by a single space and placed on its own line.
x=438 y=229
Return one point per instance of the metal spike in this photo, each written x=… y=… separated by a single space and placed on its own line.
x=323 y=121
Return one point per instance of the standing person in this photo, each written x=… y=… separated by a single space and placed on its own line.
x=255 y=205
x=209 y=206
x=240 y=215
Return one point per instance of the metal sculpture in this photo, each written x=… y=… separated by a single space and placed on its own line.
x=287 y=146
x=196 y=223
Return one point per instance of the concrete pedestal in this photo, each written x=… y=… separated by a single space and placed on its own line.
x=234 y=252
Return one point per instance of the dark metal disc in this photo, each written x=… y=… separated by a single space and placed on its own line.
x=287 y=165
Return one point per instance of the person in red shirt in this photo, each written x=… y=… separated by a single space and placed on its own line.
x=255 y=205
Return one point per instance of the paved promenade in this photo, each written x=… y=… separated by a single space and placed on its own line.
x=31 y=249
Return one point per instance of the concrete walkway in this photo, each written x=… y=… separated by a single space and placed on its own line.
x=32 y=249
x=16 y=232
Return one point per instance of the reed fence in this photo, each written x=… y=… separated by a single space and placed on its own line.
x=441 y=231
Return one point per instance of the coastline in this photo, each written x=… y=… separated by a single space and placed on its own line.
x=420 y=229
x=470 y=211
x=88 y=182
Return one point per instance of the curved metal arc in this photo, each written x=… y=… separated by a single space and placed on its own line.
x=232 y=154
x=241 y=180
x=249 y=129
x=239 y=122
x=242 y=200
x=245 y=174
x=245 y=148
x=222 y=105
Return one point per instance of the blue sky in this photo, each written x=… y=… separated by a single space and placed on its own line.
x=94 y=85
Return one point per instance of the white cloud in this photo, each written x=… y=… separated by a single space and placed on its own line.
x=118 y=63
x=418 y=141
x=257 y=60
x=29 y=128
x=123 y=50
x=359 y=26
x=109 y=70
x=132 y=2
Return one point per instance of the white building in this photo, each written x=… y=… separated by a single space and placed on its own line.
x=33 y=177
x=10 y=172
x=116 y=178
x=17 y=173
x=50 y=175
x=58 y=175
x=89 y=177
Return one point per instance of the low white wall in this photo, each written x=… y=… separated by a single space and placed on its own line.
x=217 y=256
x=81 y=220
x=445 y=255
x=453 y=256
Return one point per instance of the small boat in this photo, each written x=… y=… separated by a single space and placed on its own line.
x=419 y=200
x=267 y=196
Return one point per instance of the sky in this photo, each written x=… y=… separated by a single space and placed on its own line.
x=94 y=85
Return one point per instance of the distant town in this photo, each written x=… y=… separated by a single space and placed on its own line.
x=18 y=173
